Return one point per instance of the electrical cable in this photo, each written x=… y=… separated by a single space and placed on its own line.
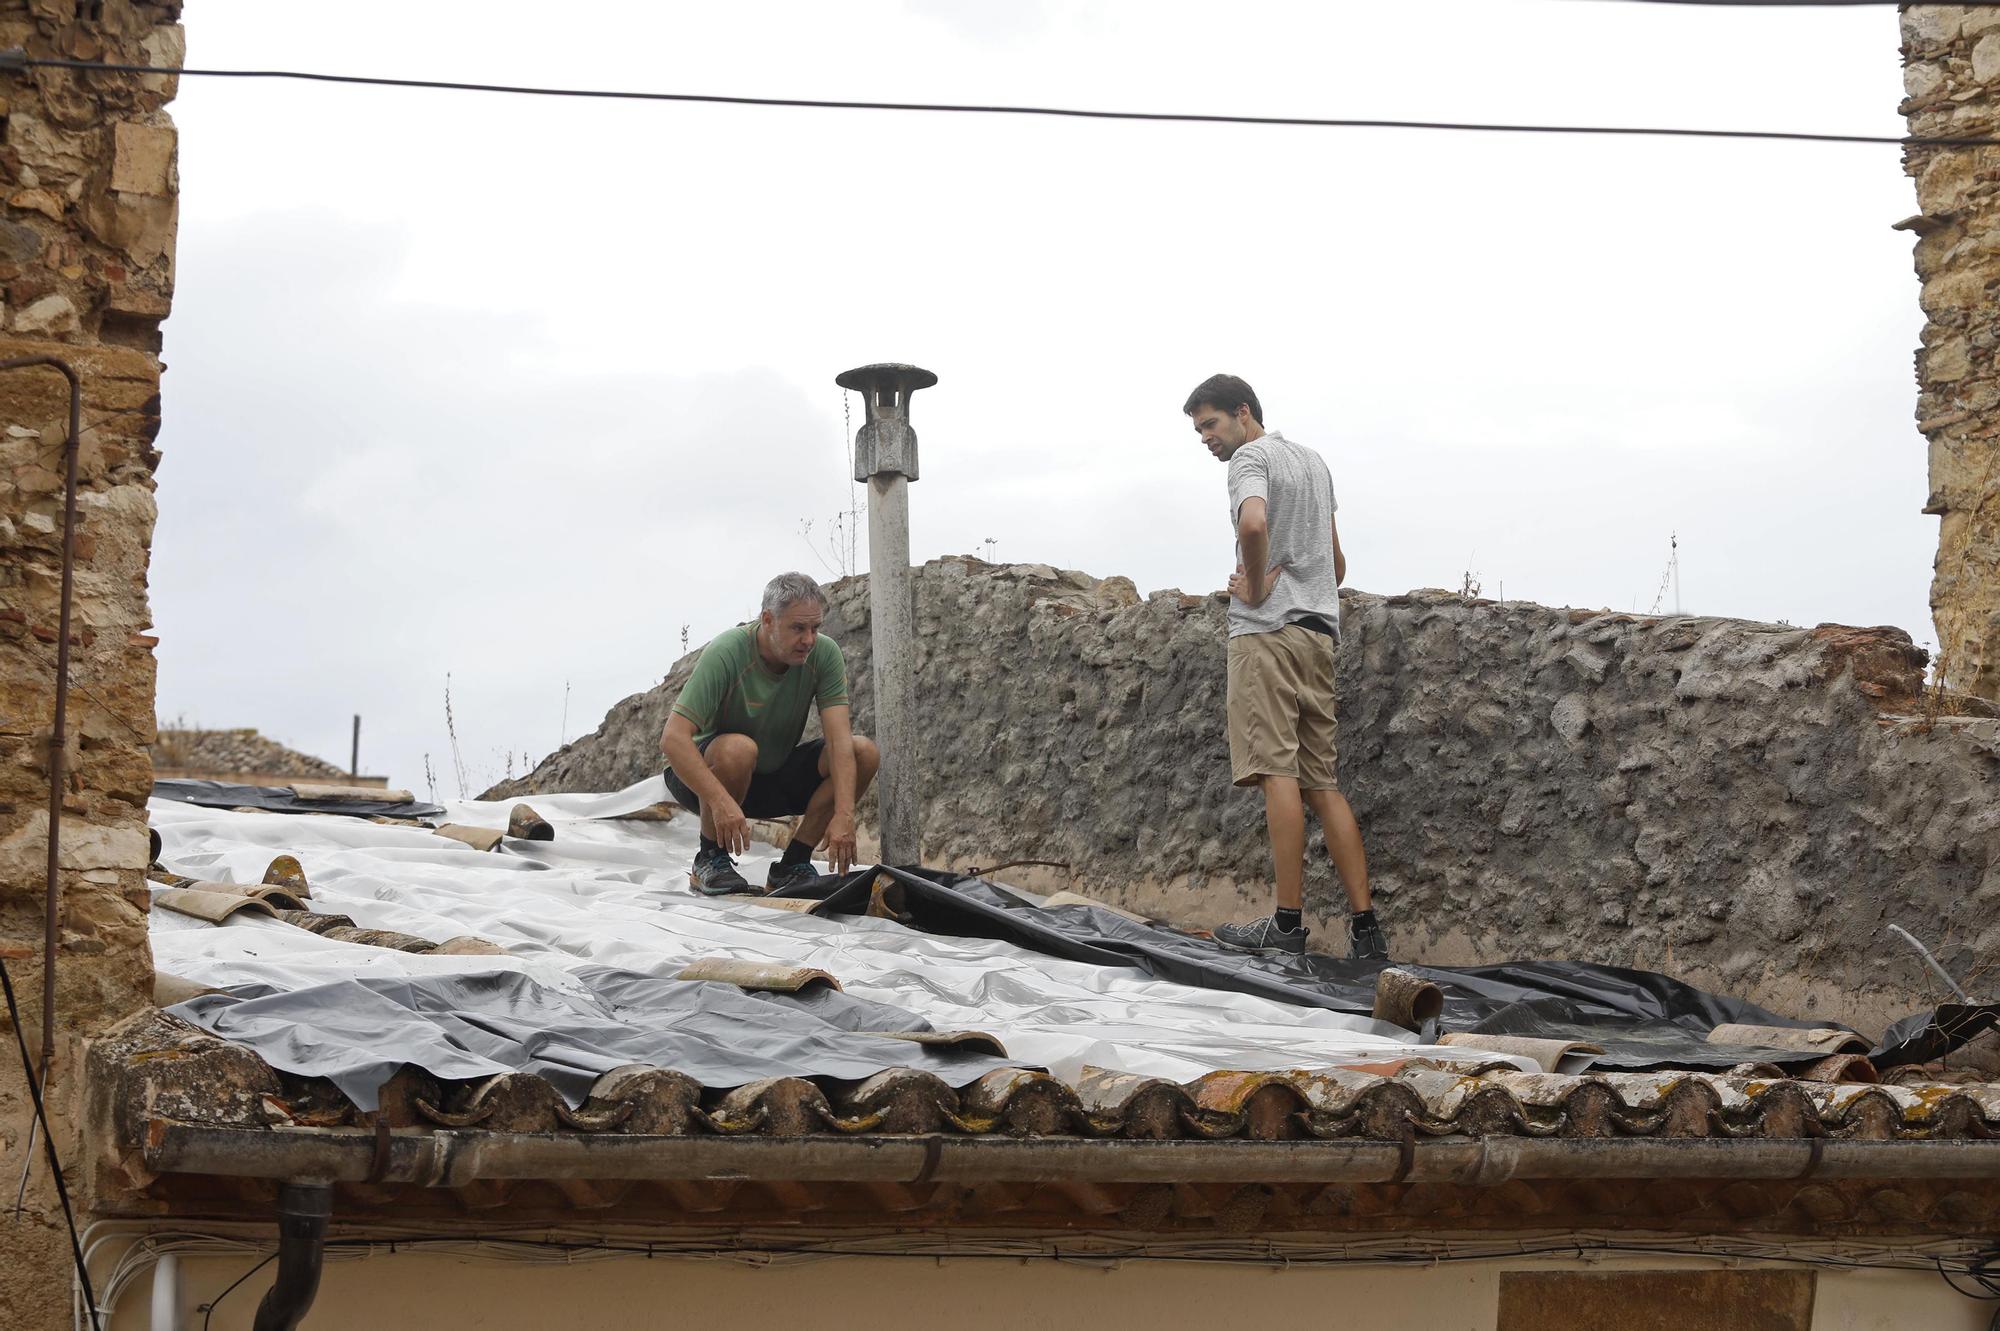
x=1983 y=1269
x=209 y=1311
x=1801 y=4
x=138 y=732
x=16 y=60
x=510 y=1248
x=49 y=1142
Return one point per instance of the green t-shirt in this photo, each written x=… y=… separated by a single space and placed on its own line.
x=732 y=691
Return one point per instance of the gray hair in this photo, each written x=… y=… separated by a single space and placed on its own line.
x=789 y=589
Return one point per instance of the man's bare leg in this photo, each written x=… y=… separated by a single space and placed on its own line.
x=1285 y=816
x=733 y=759
x=1350 y=861
x=1279 y=932
x=812 y=823
x=1343 y=843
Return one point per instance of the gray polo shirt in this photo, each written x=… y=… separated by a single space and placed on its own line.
x=1297 y=490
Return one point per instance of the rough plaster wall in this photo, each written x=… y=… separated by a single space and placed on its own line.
x=1718 y=799
x=87 y=178
x=1952 y=75
x=414 y=1288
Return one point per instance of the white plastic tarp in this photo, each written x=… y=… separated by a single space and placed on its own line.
x=615 y=893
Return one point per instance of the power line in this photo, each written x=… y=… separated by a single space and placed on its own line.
x=16 y=60
x=1817 y=4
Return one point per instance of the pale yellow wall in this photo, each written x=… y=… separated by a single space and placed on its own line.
x=967 y=1294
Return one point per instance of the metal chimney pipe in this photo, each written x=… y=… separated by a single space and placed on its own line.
x=885 y=457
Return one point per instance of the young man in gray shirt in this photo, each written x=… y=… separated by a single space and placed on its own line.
x=1284 y=620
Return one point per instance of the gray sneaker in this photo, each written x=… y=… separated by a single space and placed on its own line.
x=714 y=874
x=1366 y=938
x=1262 y=936
x=783 y=876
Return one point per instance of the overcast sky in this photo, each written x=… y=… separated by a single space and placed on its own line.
x=515 y=388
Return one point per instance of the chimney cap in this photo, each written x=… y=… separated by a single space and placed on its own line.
x=907 y=378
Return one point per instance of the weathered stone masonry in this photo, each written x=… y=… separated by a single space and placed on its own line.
x=87 y=218
x=1735 y=803
x=1952 y=74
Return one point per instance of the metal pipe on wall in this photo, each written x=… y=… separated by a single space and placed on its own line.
x=303 y=1212
x=58 y=737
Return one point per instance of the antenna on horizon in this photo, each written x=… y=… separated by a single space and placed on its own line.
x=1674 y=566
x=1671 y=578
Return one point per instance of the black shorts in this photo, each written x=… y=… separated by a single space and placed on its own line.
x=780 y=794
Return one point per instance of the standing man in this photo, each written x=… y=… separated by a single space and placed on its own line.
x=1284 y=620
x=732 y=742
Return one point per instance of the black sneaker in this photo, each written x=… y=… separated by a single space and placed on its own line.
x=783 y=876
x=1367 y=940
x=714 y=874
x=1262 y=936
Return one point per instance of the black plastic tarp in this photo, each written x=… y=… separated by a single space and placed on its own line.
x=1642 y=1019
x=280 y=799
x=358 y=1033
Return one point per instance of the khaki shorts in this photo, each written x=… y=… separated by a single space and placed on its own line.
x=1281 y=708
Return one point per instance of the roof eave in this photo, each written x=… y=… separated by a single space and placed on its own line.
x=451 y=1159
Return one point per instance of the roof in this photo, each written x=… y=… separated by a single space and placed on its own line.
x=229 y=752
x=1386 y=1101
x=883 y=1053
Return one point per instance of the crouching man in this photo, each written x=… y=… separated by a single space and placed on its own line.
x=732 y=742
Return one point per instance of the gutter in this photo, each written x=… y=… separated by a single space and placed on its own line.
x=451 y=1159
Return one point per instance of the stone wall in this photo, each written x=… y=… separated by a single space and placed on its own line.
x=1952 y=74
x=87 y=180
x=1731 y=802
x=243 y=757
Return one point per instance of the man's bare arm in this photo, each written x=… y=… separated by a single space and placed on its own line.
x=836 y=724
x=1339 y=559
x=1253 y=547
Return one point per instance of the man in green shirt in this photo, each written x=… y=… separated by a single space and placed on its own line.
x=732 y=742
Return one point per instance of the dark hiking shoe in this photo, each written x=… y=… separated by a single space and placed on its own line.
x=714 y=874
x=1366 y=937
x=783 y=876
x=1262 y=936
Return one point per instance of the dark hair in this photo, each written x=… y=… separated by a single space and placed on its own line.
x=1227 y=392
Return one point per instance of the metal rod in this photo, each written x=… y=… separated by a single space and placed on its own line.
x=1930 y=961
x=354 y=755
x=453 y=1159
x=59 y=738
